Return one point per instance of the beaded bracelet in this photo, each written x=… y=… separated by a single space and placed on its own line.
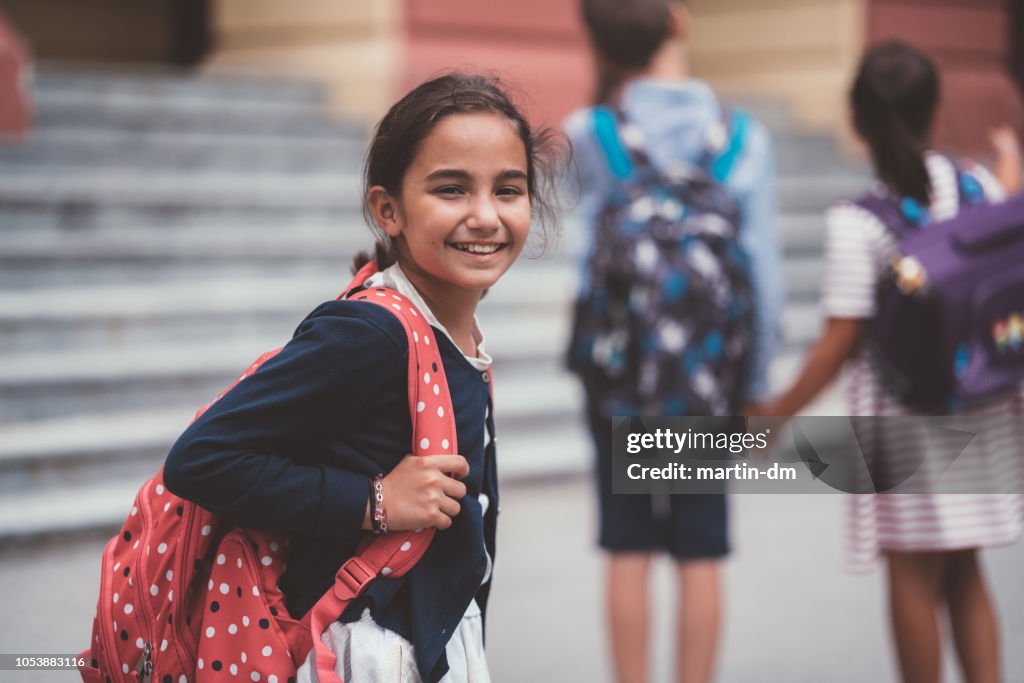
x=380 y=524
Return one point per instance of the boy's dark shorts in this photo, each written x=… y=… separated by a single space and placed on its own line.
x=687 y=526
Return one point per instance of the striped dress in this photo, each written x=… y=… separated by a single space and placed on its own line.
x=856 y=248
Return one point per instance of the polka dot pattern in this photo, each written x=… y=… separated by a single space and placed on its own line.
x=232 y=607
x=246 y=594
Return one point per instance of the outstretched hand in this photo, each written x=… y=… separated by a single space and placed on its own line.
x=763 y=409
x=1008 y=157
x=1004 y=140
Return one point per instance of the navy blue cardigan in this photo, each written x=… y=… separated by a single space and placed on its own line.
x=294 y=446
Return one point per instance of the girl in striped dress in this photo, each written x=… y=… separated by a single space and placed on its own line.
x=930 y=541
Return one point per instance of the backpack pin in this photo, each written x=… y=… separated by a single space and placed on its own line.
x=910 y=275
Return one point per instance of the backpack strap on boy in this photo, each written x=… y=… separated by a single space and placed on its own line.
x=625 y=150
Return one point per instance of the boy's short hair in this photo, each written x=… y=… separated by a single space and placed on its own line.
x=627 y=32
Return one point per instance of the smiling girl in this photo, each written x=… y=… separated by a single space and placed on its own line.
x=453 y=177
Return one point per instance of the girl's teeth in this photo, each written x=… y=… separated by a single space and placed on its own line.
x=478 y=248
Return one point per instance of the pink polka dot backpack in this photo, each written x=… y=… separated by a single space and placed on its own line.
x=186 y=598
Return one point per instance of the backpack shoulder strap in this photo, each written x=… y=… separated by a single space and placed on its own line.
x=623 y=159
x=606 y=130
x=888 y=211
x=738 y=123
x=969 y=190
x=433 y=430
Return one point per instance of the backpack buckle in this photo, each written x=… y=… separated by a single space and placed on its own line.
x=352 y=578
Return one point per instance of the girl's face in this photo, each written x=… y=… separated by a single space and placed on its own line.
x=464 y=212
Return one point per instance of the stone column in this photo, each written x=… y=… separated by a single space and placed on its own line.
x=354 y=46
x=803 y=52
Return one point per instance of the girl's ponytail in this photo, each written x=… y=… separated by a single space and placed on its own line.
x=894 y=98
x=383 y=253
x=899 y=159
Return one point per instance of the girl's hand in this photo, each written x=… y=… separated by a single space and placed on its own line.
x=418 y=493
x=1004 y=141
x=1007 y=147
x=764 y=409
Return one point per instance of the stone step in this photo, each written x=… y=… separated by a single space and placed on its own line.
x=36 y=219
x=68 y=381
x=41 y=466
x=62 y=147
x=70 y=507
x=140 y=111
x=802 y=234
x=65 y=382
x=216 y=244
x=128 y=434
x=162 y=187
x=66 y=505
x=158 y=82
x=93 y=446
x=59 y=147
x=180 y=296
x=27 y=250
x=82 y=317
x=29 y=214
x=67 y=510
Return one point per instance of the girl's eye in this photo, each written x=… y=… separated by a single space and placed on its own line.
x=510 y=190
x=449 y=190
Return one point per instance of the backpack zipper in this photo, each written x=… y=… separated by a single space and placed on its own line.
x=144 y=669
x=106 y=623
x=182 y=629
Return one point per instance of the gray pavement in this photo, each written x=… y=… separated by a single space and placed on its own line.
x=793 y=612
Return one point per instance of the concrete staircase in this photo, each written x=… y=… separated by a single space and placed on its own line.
x=160 y=231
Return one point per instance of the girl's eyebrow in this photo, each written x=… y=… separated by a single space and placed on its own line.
x=458 y=173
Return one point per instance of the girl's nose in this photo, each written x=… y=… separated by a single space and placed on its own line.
x=483 y=214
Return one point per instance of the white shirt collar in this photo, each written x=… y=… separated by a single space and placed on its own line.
x=393 y=277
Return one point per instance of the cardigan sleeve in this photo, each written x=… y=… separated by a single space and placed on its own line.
x=257 y=457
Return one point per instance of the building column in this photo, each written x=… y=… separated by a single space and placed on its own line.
x=803 y=52
x=353 y=46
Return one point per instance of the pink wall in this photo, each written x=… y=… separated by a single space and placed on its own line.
x=14 y=107
x=538 y=45
x=971 y=42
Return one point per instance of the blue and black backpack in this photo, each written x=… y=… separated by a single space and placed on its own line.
x=664 y=326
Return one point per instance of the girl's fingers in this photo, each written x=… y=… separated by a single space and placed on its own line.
x=453 y=488
x=456 y=465
x=449 y=507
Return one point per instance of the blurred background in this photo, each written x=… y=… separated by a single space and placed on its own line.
x=179 y=186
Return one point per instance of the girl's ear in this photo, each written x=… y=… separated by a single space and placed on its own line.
x=384 y=209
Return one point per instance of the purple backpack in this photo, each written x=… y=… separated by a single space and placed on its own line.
x=949 y=323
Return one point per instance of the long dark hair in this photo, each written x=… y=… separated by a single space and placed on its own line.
x=399 y=134
x=894 y=98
